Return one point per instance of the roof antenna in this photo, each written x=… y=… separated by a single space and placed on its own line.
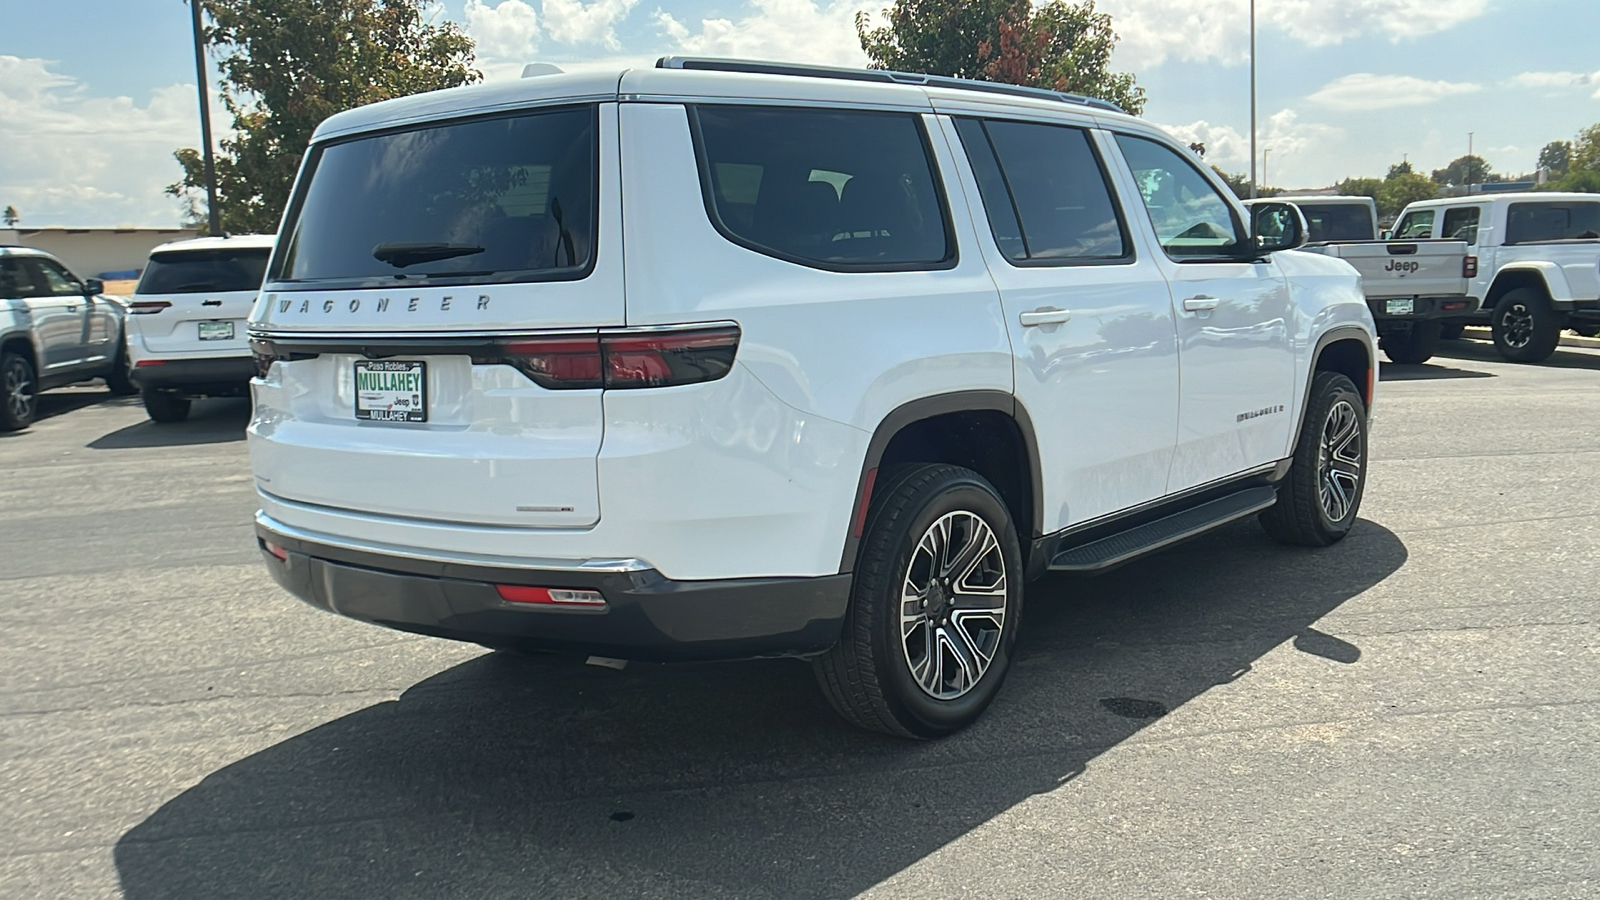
x=532 y=70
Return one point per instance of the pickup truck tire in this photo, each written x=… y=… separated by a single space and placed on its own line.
x=934 y=606
x=1413 y=345
x=1526 y=328
x=1451 y=331
x=1586 y=330
x=1319 y=498
x=165 y=406
x=19 y=392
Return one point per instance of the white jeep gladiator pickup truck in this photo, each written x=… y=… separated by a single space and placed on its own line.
x=1538 y=263
x=1412 y=285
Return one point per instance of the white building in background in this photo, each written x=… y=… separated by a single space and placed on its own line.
x=96 y=252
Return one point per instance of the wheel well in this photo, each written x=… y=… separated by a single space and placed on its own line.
x=1349 y=358
x=987 y=441
x=1510 y=281
x=20 y=346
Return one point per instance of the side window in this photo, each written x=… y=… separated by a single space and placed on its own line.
x=54 y=280
x=833 y=189
x=1044 y=191
x=1191 y=218
x=1534 y=222
x=1417 y=224
x=1461 y=224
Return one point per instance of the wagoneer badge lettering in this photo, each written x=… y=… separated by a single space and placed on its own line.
x=414 y=304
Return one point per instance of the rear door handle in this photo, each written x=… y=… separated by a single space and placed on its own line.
x=1045 y=315
x=1200 y=303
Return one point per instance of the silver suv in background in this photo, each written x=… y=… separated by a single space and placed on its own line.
x=55 y=330
x=186 y=328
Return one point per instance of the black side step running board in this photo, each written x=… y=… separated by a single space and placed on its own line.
x=1152 y=536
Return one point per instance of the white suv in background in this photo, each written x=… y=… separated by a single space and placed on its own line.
x=186 y=322
x=726 y=359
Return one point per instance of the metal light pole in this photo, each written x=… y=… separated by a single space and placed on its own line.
x=1252 y=99
x=213 y=212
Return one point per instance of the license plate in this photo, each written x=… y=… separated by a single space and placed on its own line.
x=1398 y=307
x=392 y=390
x=216 y=331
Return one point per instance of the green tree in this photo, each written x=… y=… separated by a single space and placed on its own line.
x=288 y=64
x=1401 y=190
x=1557 y=157
x=1403 y=167
x=1465 y=170
x=1361 y=187
x=1057 y=45
x=1586 y=150
x=12 y=217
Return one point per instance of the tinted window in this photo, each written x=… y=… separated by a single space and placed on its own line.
x=1530 y=222
x=55 y=281
x=486 y=200
x=194 y=271
x=825 y=187
x=1461 y=224
x=1044 y=190
x=1190 y=217
x=1416 y=225
x=18 y=281
x=1337 y=222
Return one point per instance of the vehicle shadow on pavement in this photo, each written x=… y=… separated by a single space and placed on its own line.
x=1426 y=372
x=210 y=422
x=515 y=776
x=1483 y=351
x=61 y=401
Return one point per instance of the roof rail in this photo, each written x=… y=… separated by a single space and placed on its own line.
x=881 y=76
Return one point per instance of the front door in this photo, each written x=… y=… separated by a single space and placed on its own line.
x=57 y=318
x=1091 y=324
x=1233 y=315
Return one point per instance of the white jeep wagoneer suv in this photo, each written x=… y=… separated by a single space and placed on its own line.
x=730 y=359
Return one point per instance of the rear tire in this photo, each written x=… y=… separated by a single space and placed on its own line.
x=934 y=607
x=1319 y=499
x=19 y=392
x=1526 y=327
x=120 y=379
x=1414 y=345
x=165 y=406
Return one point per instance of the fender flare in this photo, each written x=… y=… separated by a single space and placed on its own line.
x=1332 y=336
x=922 y=408
x=1556 y=286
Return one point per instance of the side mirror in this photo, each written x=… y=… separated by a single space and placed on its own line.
x=93 y=287
x=1277 y=226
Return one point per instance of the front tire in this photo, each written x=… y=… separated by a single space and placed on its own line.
x=165 y=406
x=1319 y=499
x=19 y=392
x=934 y=607
x=1414 y=345
x=1526 y=327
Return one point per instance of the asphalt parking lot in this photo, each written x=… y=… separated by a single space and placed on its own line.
x=1412 y=713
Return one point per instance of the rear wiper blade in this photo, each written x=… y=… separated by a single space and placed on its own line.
x=402 y=253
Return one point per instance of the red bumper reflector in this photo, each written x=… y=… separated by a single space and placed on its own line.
x=519 y=593
x=275 y=550
x=864 y=501
x=1453 y=305
x=148 y=362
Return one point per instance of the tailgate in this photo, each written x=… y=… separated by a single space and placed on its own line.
x=1407 y=268
x=205 y=324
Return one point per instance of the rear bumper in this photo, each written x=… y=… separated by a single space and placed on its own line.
x=1425 y=308
x=647 y=617
x=225 y=375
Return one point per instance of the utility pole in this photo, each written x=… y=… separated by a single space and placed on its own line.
x=1252 y=99
x=213 y=211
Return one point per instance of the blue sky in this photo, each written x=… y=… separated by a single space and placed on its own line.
x=95 y=94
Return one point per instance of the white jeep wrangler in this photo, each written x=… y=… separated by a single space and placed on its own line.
x=729 y=359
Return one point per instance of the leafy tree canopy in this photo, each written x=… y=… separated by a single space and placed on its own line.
x=288 y=64
x=1465 y=170
x=1557 y=157
x=12 y=217
x=1401 y=190
x=1586 y=150
x=1402 y=167
x=1060 y=45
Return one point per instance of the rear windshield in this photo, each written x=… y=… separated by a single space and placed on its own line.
x=210 y=271
x=478 y=201
x=1532 y=222
x=1337 y=222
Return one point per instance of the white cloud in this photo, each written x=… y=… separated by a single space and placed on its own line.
x=1366 y=91
x=1282 y=133
x=509 y=30
x=75 y=158
x=574 y=22
x=1558 y=80
x=792 y=30
x=1153 y=30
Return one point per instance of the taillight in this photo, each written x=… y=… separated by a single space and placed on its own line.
x=145 y=363
x=518 y=593
x=623 y=359
x=1469 y=267
x=147 y=307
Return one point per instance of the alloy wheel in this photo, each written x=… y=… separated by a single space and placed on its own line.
x=19 y=391
x=953 y=605
x=1339 y=461
x=1516 y=326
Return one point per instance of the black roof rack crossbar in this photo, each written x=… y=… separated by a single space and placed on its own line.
x=881 y=76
